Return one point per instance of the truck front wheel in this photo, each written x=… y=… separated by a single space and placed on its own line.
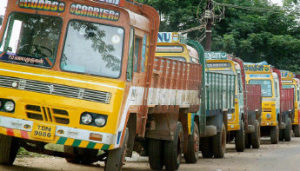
x=155 y=154
x=9 y=147
x=206 y=147
x=274 y=133
x=191 y=156
x=172 y=149
x=296 y=130
x=240 y=138
x=116 y=157
x=287 y=130
x=219 y=143
x=255 y=136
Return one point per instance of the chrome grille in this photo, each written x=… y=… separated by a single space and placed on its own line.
x=47 y=114
x=55 y=89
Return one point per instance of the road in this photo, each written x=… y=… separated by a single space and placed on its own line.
x=283 y=156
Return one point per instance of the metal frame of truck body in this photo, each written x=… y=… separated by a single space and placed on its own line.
x=254 y=102
x=166 y=40
x=211 y=115
x=253 y=114
x=235 y=115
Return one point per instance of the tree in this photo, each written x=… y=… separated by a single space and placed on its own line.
x=261 y=31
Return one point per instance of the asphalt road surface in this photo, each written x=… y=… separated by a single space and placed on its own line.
x=284 y=156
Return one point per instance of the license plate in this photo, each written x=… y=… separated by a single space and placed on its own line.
x=43 y=131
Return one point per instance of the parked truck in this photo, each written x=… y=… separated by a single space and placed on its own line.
x=72 y=81
x=275 y=115
x=206 y=127
x=286 y=114
x=237 y=118
x=289 y=81
x=252 y=109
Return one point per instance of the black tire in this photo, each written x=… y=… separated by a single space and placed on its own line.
x=115 y=157
x=281 y=134
x=172 y=149
x=155 y=154
x=240 y=138
x=9 y=147
x=297 y=130
x=219 y=143
x=80 y=155
x=206 y=147
x=287 y=131
x=274 y=134
x=255 y=136
x=191 y=156
x=248 y=141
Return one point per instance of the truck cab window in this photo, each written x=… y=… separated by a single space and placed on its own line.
x=144 y=51
x=137 y=54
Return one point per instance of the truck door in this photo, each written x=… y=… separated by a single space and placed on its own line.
x=277 y=94
x=139 y=75
x=240 y=93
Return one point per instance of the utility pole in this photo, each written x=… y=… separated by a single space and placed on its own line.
x=209 y=17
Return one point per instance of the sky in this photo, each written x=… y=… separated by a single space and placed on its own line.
x=2 y=6
x=278 y=2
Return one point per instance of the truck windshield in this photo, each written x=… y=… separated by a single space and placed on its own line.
x=169 y=49
x=31 y=39
x=92 y=48
x=177 y=58
x=266 y=87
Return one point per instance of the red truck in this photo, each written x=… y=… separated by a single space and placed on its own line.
x=254 y=103
x=286 y=109
x=252 y=109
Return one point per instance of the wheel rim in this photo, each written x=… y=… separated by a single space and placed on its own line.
x=178 y=151
x=196 y=140
x=223 y=139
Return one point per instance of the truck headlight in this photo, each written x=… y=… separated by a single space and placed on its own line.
x=9 y=106
x=86 y=118
x=100 y=121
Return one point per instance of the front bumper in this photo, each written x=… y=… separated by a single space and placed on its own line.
x=233 y=127
x=269 y=119
x=63 y=135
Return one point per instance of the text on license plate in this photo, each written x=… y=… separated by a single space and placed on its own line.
x=42 y=131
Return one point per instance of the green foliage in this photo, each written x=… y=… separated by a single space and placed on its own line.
x=264 y=32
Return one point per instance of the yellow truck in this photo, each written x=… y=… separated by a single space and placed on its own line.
x=220 y=62
x=289 y=81
x=169 y=46
x=269 y=82
x=83 y=74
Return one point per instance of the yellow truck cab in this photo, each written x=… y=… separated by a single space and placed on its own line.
x=67 y=77
x=268 y=80
x=289 y=81
x=221 y=62
x=169 y=46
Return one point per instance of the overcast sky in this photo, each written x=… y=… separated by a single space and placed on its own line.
x=2 y=6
